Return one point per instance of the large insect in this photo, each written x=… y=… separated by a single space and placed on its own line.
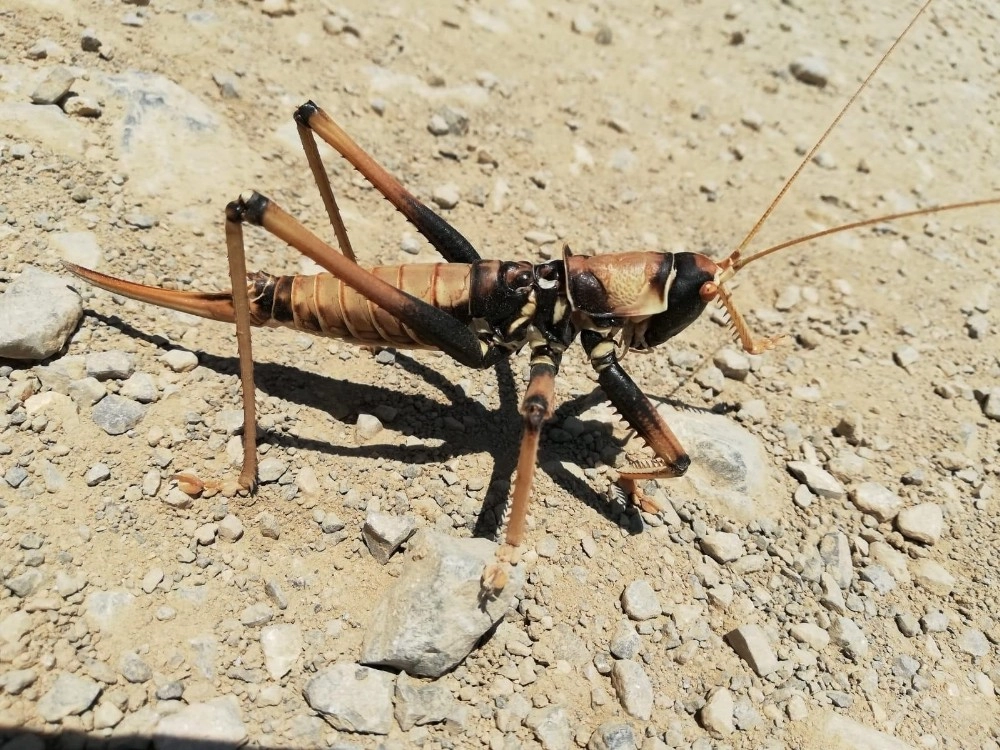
x=479 y=311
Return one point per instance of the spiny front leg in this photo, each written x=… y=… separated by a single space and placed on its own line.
x=536 y=410
x=637 y=410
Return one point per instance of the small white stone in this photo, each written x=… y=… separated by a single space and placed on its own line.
x=921 y=523
x=723 y=546
x=180 y=360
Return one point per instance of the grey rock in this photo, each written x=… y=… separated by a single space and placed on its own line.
x=96 y=474
x=973 y=642
x=151 y=580
x=446 y=196
x=117 y=415
x=750 y=642
x=68 y=584
x=717 y=713
x=256 y=615
x=922 y=523
x=180 y=360
x=810 y=70
x=15 y=476
x=932 y=576
x=835 y=551
x=204 y=535
x=419 y=703
x=432 y=616
x=633 y=688
x=811 y=634
x=367 y=427
x=54 y=86
x=37 y=314
x=16 y=681
x=69 y=695
x=26 y=583
x=271 y=469
x=640 y=601
x=110 y=365
x=733 y=364
x=230 y=528
x=820 y=481
x=141 y=387
x=849 y=637
x=876 y=500
x=14 y=626
x=215 y=723
x=612 y=735
x=352 y=698
x=625 y=643
x=133 y=668
x=551 y=727
x=934 y=622
x=722 y=546
x=384 y=533
x=729 y=468
x=87 y=391
x=879 y=577
x=908 y=624
x=282 y=645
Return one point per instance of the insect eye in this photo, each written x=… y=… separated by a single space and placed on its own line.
x=709 y=291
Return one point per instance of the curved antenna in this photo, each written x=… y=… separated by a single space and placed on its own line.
x=741 y=262
x=734 y=257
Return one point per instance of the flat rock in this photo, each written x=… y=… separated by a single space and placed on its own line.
x=434 y=614
x=68 y=696
x=352 y=698
x=932 y=576
x=750 y=642
x=876 y=500
x=633 y=688
x=717 y=713
x=282 y=645
x=384 y=533
x=722 y=546
x=419 y=703
x=117 y=415
x=817 y=479
x=922 y=523
x=729 y=468
x=38 y=312
x=215 y=723
x=640 y=601
x=46 y=125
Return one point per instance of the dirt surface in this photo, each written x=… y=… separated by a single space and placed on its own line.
x=609 y=127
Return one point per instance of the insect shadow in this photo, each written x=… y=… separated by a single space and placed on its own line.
x=496 y=432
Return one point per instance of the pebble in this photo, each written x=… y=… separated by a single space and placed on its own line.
x=922 y=523
x=811 y=634
x=384 y=533
x=367 y=427
x=640 y=601
x=96 y=474
x=613 y=735
x=256 y=615
x=933 y=576
x=446 y=196
x=69 y=695
x=352 y=698
x=38 y=312
x=133 y=668
x=151 y=580
x=723 y=547
x=905 y=356
x=835 y=551
x=908 y=624
x=626 y=642
x=750 y=642
x=230 y=528
x=117 y=415
x=876 y=500
x=110 y=365
x=282 y=645
x=810 y=70
x=848 y=636
x=820 y=481
x=269 y=526
x=717 y=713
x=141 y=387
x=82 y=106
x=180 y=360
x=633 y=688
x=733 y=364
x=271 y=469
x=87 y=391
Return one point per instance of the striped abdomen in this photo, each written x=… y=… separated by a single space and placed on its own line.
x=324 y=306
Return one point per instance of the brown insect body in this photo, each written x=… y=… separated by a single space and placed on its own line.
x=479 y=311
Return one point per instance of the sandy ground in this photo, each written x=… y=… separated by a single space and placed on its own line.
x=607 y=126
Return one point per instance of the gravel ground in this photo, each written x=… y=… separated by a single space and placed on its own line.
x=848 y=599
